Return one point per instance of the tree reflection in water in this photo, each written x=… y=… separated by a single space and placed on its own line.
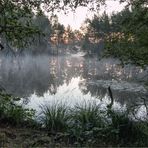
x=48 y=75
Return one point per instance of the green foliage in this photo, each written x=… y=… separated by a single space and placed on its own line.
x=82 y=125
x=15 y=22
x=16 y=25
x=124 y=131
x=132 y=47
x=88 y=125
x=55 y=117
x=100 y=25
x=40 y=43
x=57 y=28
x=12 y=113
x=86 y=121
x=86 y=45
x=125 y=33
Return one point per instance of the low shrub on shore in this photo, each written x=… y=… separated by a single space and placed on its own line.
x=55 y=117
x=88 y=125
x=12 y=113
x=85 y=121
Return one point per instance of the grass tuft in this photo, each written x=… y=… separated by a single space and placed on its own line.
x=55 y=117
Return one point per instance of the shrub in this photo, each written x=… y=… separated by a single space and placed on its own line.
x=13 y=113
x=87 y=123
x=124 y=131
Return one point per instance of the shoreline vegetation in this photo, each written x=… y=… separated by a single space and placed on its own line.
x=84 y=125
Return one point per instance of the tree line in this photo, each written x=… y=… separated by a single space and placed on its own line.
x=125 y=34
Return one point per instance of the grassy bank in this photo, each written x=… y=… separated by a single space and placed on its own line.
x=82 y=125
x=88 y=125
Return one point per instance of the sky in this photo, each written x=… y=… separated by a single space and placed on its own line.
x=75 y=20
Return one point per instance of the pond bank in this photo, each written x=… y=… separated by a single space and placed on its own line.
x=13 y=137
x=84 y=125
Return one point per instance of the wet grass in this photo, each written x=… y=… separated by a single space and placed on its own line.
x=85 y=124
x=55 y=117
x=85 y=120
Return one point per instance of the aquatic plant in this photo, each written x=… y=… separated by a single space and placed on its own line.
x=55 y=117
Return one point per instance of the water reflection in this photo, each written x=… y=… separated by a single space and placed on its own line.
x=42 y=78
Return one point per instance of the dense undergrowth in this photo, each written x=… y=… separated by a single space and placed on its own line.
x=82 y=125
x=13 y=113
x=88 y=125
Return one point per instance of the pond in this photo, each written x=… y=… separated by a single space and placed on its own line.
x=73 y=79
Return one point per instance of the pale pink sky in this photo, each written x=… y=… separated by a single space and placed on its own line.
x=75 y=20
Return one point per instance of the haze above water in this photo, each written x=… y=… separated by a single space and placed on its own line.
x=71 y=79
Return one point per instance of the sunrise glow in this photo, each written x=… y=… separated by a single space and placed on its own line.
x=75 y=20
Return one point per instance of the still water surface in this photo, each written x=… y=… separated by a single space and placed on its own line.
x=72 y=79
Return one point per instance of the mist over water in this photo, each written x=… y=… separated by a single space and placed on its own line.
x=71 y=78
